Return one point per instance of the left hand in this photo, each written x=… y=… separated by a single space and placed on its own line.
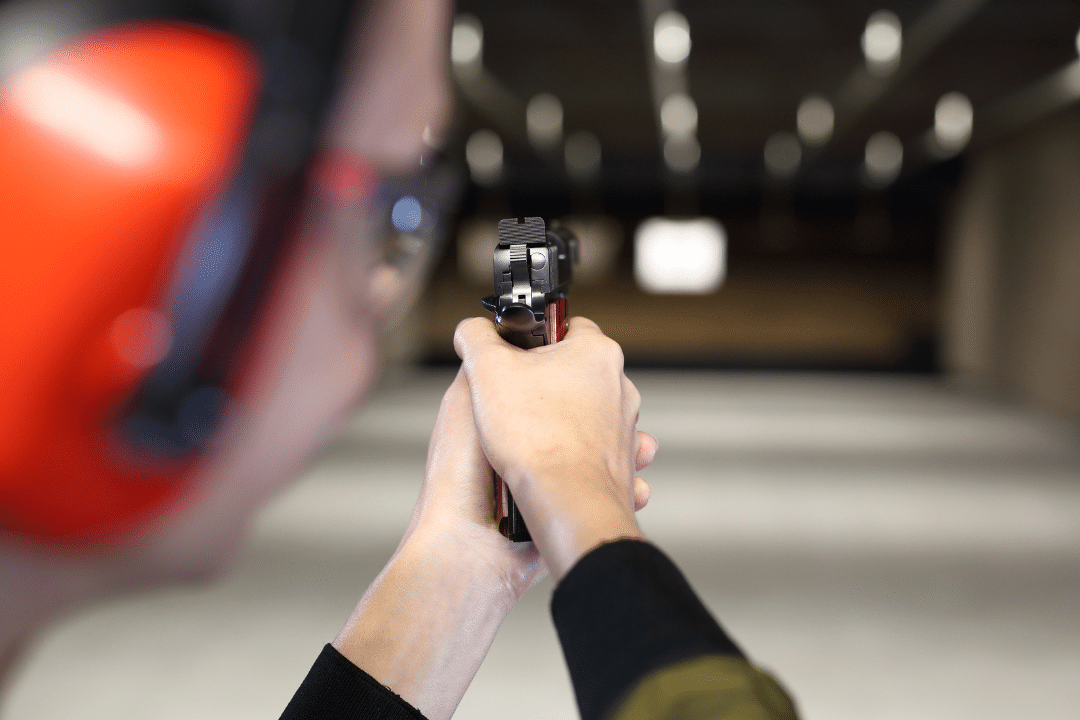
x=457 y=500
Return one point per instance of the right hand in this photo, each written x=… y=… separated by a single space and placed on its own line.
x=558 y=424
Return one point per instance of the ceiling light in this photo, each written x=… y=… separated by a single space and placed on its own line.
x=679 y=256
x=682 y=153
x=881 y=42
x=884 y=157
x=814 y=120
x=466 y=41
x=582 y=155
x=671 y=37
x=953 y=119
x=484 y=154
x=783 y=154
x=678 y=115
x=544 y=121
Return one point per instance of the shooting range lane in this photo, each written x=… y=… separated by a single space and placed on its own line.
x=891 y=547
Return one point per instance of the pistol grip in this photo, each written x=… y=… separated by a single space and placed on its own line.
x=511 y=524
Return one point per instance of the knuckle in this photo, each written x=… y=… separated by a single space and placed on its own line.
x=613 y=352
x=584 y=323
x=465 y=329
x=466 y=337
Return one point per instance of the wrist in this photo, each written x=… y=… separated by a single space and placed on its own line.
x=566 y=544
x=571 y=517
x=425 y=624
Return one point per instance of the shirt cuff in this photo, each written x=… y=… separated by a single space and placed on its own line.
x=623 y=611
x=335 y=689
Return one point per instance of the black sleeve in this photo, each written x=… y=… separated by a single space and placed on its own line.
x=601 y=608
x=335 y=689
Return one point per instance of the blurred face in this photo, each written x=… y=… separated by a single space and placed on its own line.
x=316 y=352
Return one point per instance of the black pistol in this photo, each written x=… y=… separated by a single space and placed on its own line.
x=533 y=268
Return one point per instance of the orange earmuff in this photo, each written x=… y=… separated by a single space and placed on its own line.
x=111 y=149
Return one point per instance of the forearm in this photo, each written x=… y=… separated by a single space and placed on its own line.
x=425 y=624
x=639 y=643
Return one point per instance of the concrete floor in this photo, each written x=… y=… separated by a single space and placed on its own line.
x=891 y=548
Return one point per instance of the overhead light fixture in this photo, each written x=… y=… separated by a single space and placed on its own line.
x=814 y=120
x=582 y=155
x=484 y=155
x=467 y=44
x=881 y=42
x=680 y=256
x=783 y=155
x=678 y=115
x=682 y=153
x=953 y=119
x=884 y=158
x=671 y=37
x=544 y=121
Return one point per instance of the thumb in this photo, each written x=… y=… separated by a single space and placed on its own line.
x=473 y=336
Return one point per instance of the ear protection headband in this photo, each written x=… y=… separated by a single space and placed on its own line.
x=152 y=161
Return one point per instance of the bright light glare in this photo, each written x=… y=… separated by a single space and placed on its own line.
x=679 y=256
x=953 y=119
x=544 y=121
x=678 y=115
x=582 y=153
x=884 y=157
x=814 y=120
x=86 y=115
x=466 y=40
x=881 y=42
x=671 y=37
x=682 y=153
x=406 y=214
x=783 y=154
x=484 y=154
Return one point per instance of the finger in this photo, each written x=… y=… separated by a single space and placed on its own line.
x=473 y=335
x=455 y=410
x=646 y=450
x=583 y=326
x=632 y=395
x=642 y=493
x=455 y=443
x=458 y=474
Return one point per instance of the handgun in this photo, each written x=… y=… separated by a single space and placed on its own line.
x=533 y=267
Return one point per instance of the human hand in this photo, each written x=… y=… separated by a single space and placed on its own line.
x=558 y=424
x=425 y=624
x=457 y=500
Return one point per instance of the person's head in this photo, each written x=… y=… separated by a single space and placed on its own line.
x=216 y=413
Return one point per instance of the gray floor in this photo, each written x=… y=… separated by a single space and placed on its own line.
x=891 y=548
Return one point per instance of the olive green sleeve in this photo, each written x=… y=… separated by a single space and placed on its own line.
x=712 y=687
